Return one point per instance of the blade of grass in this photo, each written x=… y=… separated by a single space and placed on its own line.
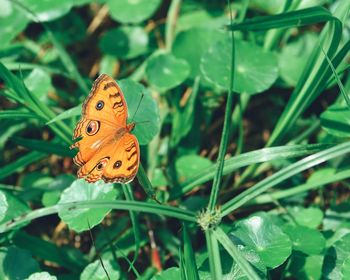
x=188 y=255
x=146 y=183
x=234 y=163
x=226 y=242
x=171 y=22
x=20 y=163
x=33 y=104
x=17 y=114
x=226 y=129
x=284 y=174
x=134 y=221
x=47 y=147
x=297 y=18
x=137 y=206
x=315 y=75
x=314 y=184
x=336 y=77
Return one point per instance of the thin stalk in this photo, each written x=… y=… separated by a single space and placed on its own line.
x=171 y=23
x=225 y=132
x=214 y=255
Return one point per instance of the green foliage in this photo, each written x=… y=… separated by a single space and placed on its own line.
x=80 y=190
x=243 y=125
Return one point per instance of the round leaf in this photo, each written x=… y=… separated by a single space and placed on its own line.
x=310 y=217
x=164 y=71
x=47 y=9
x=147 y=115
x=16 y=263
x=335 y=120
x=265 y=238
x=80 y=190
x=12 y=22
x=192 y=43
x=306 y=240
x=125 y=42
x=38 y=83
x=96 y=271
x=256 y=69
x=306 y=267
x=294 y=56
x=16 y=207
x=132 y=11
x=189 y=165
x=42 y=276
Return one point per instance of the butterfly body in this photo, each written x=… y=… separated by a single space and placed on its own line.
x=107 y=149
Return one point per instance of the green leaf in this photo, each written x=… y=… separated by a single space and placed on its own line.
x=267 y=6
x=306 y=267
x=54 y=189
x=12 y=22
x=80 y=190
x=164 y=71
x=16 y=207
x=264 y=237
x=293 y=57
x=184 y=117
x=124 y=42
x=255 y=69
x=170 y=273
x=337 y=260
x=192 y=43
x=188 y=165
x=41 y=276
x=309 y=217
x=132 y=11
x=96 y=271
x=16 y=263
x=147 y=115
x=47 y=10
x=3 y=205
x=335 y=120
x=245 y=258
x=304 y=239
x=38 y=83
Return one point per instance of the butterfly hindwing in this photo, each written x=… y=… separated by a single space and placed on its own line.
x=119 y=165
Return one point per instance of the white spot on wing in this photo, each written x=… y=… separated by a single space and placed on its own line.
x=96 y=144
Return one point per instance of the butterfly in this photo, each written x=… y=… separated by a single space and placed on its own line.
x=107 y=149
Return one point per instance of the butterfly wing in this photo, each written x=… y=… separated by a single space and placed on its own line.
x=103 y=134
x=117 y=161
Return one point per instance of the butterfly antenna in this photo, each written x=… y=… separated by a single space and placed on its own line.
x=99 y=257
x=137 y=108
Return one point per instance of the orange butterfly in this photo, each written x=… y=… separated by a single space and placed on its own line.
x=107 y=149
